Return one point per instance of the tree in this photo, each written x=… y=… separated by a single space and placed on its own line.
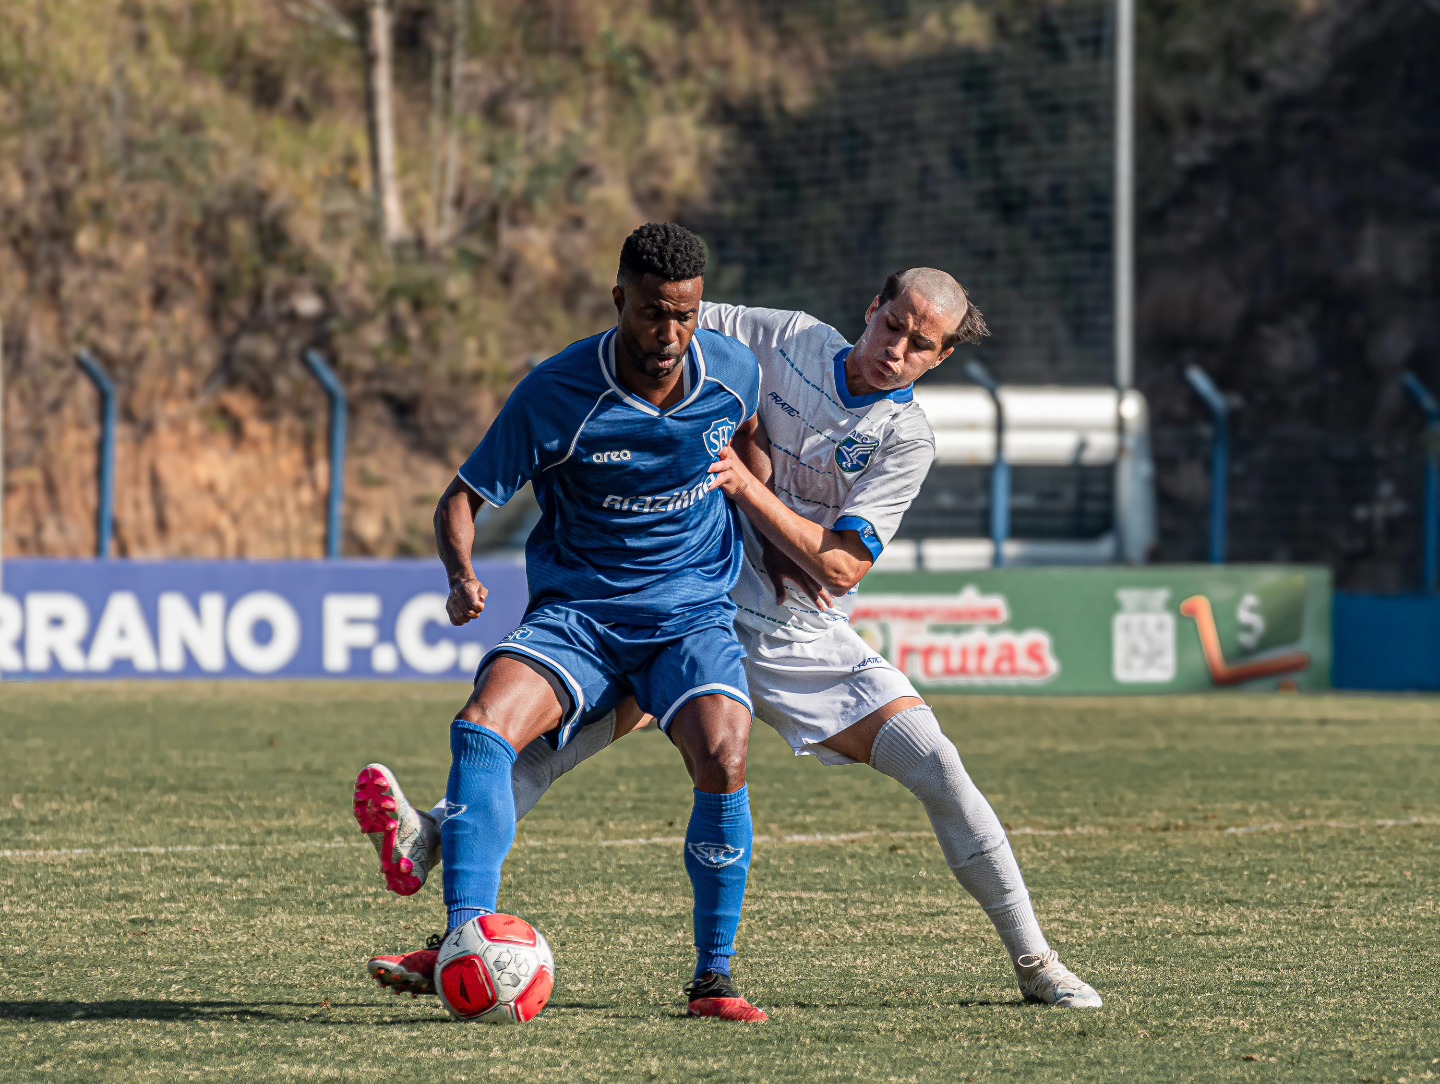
x=370 y=29
x=379 y=85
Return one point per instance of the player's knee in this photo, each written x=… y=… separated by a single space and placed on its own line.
x=713 y=735
x=915 y=751
x=939 y=775
x=720 y=768
x=945 y=770
x=717 y=764
x=478 y=713
x=730 y=762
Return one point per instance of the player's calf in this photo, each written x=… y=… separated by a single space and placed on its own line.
x=712 y=733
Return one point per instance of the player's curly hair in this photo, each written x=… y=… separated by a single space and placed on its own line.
x=669 y=252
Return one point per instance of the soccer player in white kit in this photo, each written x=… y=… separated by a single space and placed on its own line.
x=839 y=453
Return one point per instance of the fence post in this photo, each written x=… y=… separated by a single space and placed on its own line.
x=1000 y=473
x=110 y=416
x=1431 y=409
x=339 y=411
x=1219 y=456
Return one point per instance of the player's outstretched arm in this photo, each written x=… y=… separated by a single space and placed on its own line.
x=837 y=559
x=455 y=541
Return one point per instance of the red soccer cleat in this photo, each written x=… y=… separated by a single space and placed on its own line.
x=713 y=995
x=413 y=973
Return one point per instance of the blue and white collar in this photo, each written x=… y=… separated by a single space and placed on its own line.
x=693 y=374
x=899 y=395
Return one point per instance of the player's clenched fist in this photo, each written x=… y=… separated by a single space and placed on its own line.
x=466 y=601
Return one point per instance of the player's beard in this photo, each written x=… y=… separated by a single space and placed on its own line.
x=647 y=364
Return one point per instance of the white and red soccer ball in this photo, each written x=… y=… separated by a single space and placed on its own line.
x=496 y=969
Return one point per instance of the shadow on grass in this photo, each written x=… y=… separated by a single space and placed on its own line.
x=771 y=1005
x=145 y=1009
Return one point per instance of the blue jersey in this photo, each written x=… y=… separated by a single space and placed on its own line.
x=630 y=528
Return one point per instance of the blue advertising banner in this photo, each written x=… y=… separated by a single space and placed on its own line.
x=63 y=620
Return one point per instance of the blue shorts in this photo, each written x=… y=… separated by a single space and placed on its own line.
x=601 y=664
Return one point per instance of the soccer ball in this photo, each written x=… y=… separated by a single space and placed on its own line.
x=496 y=969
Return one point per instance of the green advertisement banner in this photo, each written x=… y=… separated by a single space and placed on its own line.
x=1181 y=628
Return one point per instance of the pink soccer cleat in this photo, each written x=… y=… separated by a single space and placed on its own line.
x=406 y=839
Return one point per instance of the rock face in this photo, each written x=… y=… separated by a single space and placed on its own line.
x=1299 y=264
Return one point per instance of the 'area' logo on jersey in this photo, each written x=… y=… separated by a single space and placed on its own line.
x=853 y=453
x=718 y=435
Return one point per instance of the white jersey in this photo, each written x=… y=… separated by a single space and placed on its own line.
x=844 y=462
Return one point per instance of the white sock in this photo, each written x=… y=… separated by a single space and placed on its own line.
x=538 y=765
x=911 y=748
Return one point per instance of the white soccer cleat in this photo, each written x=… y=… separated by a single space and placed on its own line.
x=1046 y=980
x=406 y=839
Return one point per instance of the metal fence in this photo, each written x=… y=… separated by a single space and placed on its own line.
x=1350 y=502
x=976 y=137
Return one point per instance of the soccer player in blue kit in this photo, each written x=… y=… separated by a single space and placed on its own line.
x=630 y=570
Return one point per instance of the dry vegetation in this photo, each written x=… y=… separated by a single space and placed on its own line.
x=185 y=190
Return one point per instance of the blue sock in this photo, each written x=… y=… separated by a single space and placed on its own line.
x=717 y=857
x=476 y=840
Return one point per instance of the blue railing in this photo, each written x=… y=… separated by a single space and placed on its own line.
x=109 y=422
x=339 y=412
x=1219 y=456
x=1000 y=473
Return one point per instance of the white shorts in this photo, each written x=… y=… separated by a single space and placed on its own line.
x=811 y=690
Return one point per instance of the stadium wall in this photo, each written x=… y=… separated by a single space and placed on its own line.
x=1123 y=630
x=1387 y=643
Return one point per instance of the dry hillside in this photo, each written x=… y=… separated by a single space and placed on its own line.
x=185 y=191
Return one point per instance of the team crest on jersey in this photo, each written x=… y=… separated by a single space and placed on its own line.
x=716 y=855
x=853 y=453
x=718 y=435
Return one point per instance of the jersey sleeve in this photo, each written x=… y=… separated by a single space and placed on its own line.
x=875 y=507
x=520 y=441
x=759 y=329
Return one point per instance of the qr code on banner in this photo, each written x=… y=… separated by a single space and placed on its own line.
x=1143 y=647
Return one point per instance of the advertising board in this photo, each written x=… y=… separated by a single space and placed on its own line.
x=1103 y=630
x=1107 y=630
x=67 y=620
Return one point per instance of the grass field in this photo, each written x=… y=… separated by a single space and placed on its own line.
x=1251 y=883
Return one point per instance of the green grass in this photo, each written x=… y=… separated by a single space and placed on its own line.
x=1305 y=951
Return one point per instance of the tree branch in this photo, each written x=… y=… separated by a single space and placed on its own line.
x=322 y=14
